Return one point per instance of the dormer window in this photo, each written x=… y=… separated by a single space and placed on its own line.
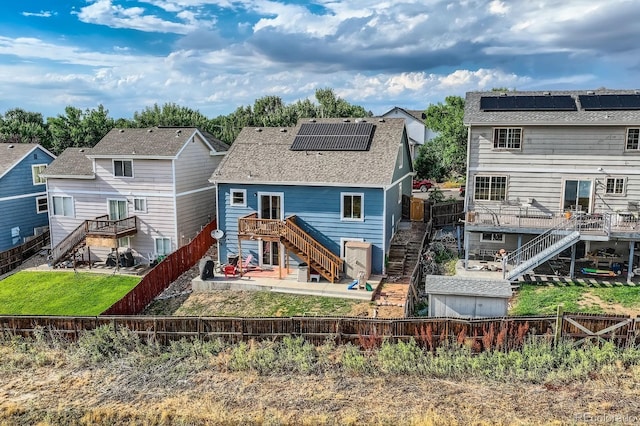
x=123 y=168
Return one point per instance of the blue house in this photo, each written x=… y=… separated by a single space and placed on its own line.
x=23 y=193
x=292 y=195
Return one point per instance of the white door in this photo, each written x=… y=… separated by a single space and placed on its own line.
x=117 y=209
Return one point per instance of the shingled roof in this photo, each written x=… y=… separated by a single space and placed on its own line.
x=263 y=155
x=73 y=162
x=473 y=115
x=12 y=153
x=151 y=142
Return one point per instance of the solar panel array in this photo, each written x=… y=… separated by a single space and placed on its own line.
x=333 y=137
x=528 y=103
x=609 y=102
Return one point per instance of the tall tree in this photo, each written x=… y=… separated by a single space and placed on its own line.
x=20 y=126
x=446 y=154
x=169 y=114
x=333 y=106
x=79 y=128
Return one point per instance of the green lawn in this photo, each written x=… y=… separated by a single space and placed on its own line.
x=62 y=293
x=544 y=300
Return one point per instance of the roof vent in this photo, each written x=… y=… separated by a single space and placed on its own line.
x=546 y=93
x=81 y=150
x=503 y=93
x=637 y=92
x=10 y=146
x=312 y=120
x=178 y=132
x=380 y=120
x=590 y=92
x=345 y=120
x=121 y=130
x=149 y=130
x=283 y=130
x=258 y=129
x=360 y=120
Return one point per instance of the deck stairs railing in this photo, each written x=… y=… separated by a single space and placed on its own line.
x=70 y=244
x=541 y=248
x=295 y=239
x=101 y=226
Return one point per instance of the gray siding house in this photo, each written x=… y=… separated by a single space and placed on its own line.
x=553 y=173
x=142 y=189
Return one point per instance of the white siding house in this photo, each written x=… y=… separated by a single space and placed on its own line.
x=417 y=131
x=159 y=176
x=563 y=163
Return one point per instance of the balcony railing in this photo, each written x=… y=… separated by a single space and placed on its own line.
x=253 y=226
x=514 y=217
x=103 y=227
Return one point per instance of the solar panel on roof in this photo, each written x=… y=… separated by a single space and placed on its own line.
x=609 y=102
x=528 y=103
x=333 y=137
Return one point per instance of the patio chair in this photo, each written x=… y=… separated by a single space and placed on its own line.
x=248 y=266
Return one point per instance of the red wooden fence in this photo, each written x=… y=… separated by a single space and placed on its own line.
x=163 y=274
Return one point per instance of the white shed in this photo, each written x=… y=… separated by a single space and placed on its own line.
x=464 y=297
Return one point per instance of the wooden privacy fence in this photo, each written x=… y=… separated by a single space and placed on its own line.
x=481 y=334
x=12 y=258
x=163 y=274
x=444 y=214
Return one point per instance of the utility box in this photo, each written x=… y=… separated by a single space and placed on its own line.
x=357 y=258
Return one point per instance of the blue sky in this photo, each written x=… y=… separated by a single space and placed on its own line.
x=216 y=55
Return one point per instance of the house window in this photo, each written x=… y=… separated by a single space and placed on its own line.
x=42 y=204
x=62 y=206
x=352 y=207
x=400 y=193
x=489 y=237
x=124 y=242
x=633 y=139
x=36 y=170
x=615 y=186
x=139 y=205
x=507 y=138
x=123 y=168
x=239 y=197
x=163 y=246
x=490 y=188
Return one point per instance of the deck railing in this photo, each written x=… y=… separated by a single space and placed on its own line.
x=102 y=226
x=288 y=230
x=70 y=242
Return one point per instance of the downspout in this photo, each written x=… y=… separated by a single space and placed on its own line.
x=466 y=198
x=175 y=203
x=384 y=231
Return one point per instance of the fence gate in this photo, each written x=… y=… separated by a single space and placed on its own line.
x=596 y=328
x=417 y=209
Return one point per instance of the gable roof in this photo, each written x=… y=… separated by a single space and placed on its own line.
x=11 y=154
x=466 y=286
x=414 y=113
x=153 y=142
x=72 y=163
x=263 y=155
x=473 y=115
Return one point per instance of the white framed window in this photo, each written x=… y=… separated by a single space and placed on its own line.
x=62 y=205
x=490 y=188
x=36 y=170
x=139 y=205
x=42 y=204
x=238 y=197
x=633 y=140
x=123 y=168
x=124 y=242
x=491 y=237
x=352 y=206
x=507 y=138
x=400 y=193
x=162 y=245
x=615 y=186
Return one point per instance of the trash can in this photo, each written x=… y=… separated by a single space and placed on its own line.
x=302 y=272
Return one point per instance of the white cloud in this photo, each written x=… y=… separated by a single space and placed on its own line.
x=497 y=7
x=41 y=14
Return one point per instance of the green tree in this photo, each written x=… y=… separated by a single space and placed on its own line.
x=77 y=128
x=20 y=126
x=446 y=154
x=333 y=106
x=169 y=114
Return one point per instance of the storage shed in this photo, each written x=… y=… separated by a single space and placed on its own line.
x=464 y=297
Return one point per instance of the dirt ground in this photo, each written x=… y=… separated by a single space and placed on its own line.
x=118 y=395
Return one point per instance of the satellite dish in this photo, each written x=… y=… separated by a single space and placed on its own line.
x=217 y=234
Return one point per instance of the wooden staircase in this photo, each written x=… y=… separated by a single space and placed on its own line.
x=295 y=239
x=100 y=227
x=307 y=248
